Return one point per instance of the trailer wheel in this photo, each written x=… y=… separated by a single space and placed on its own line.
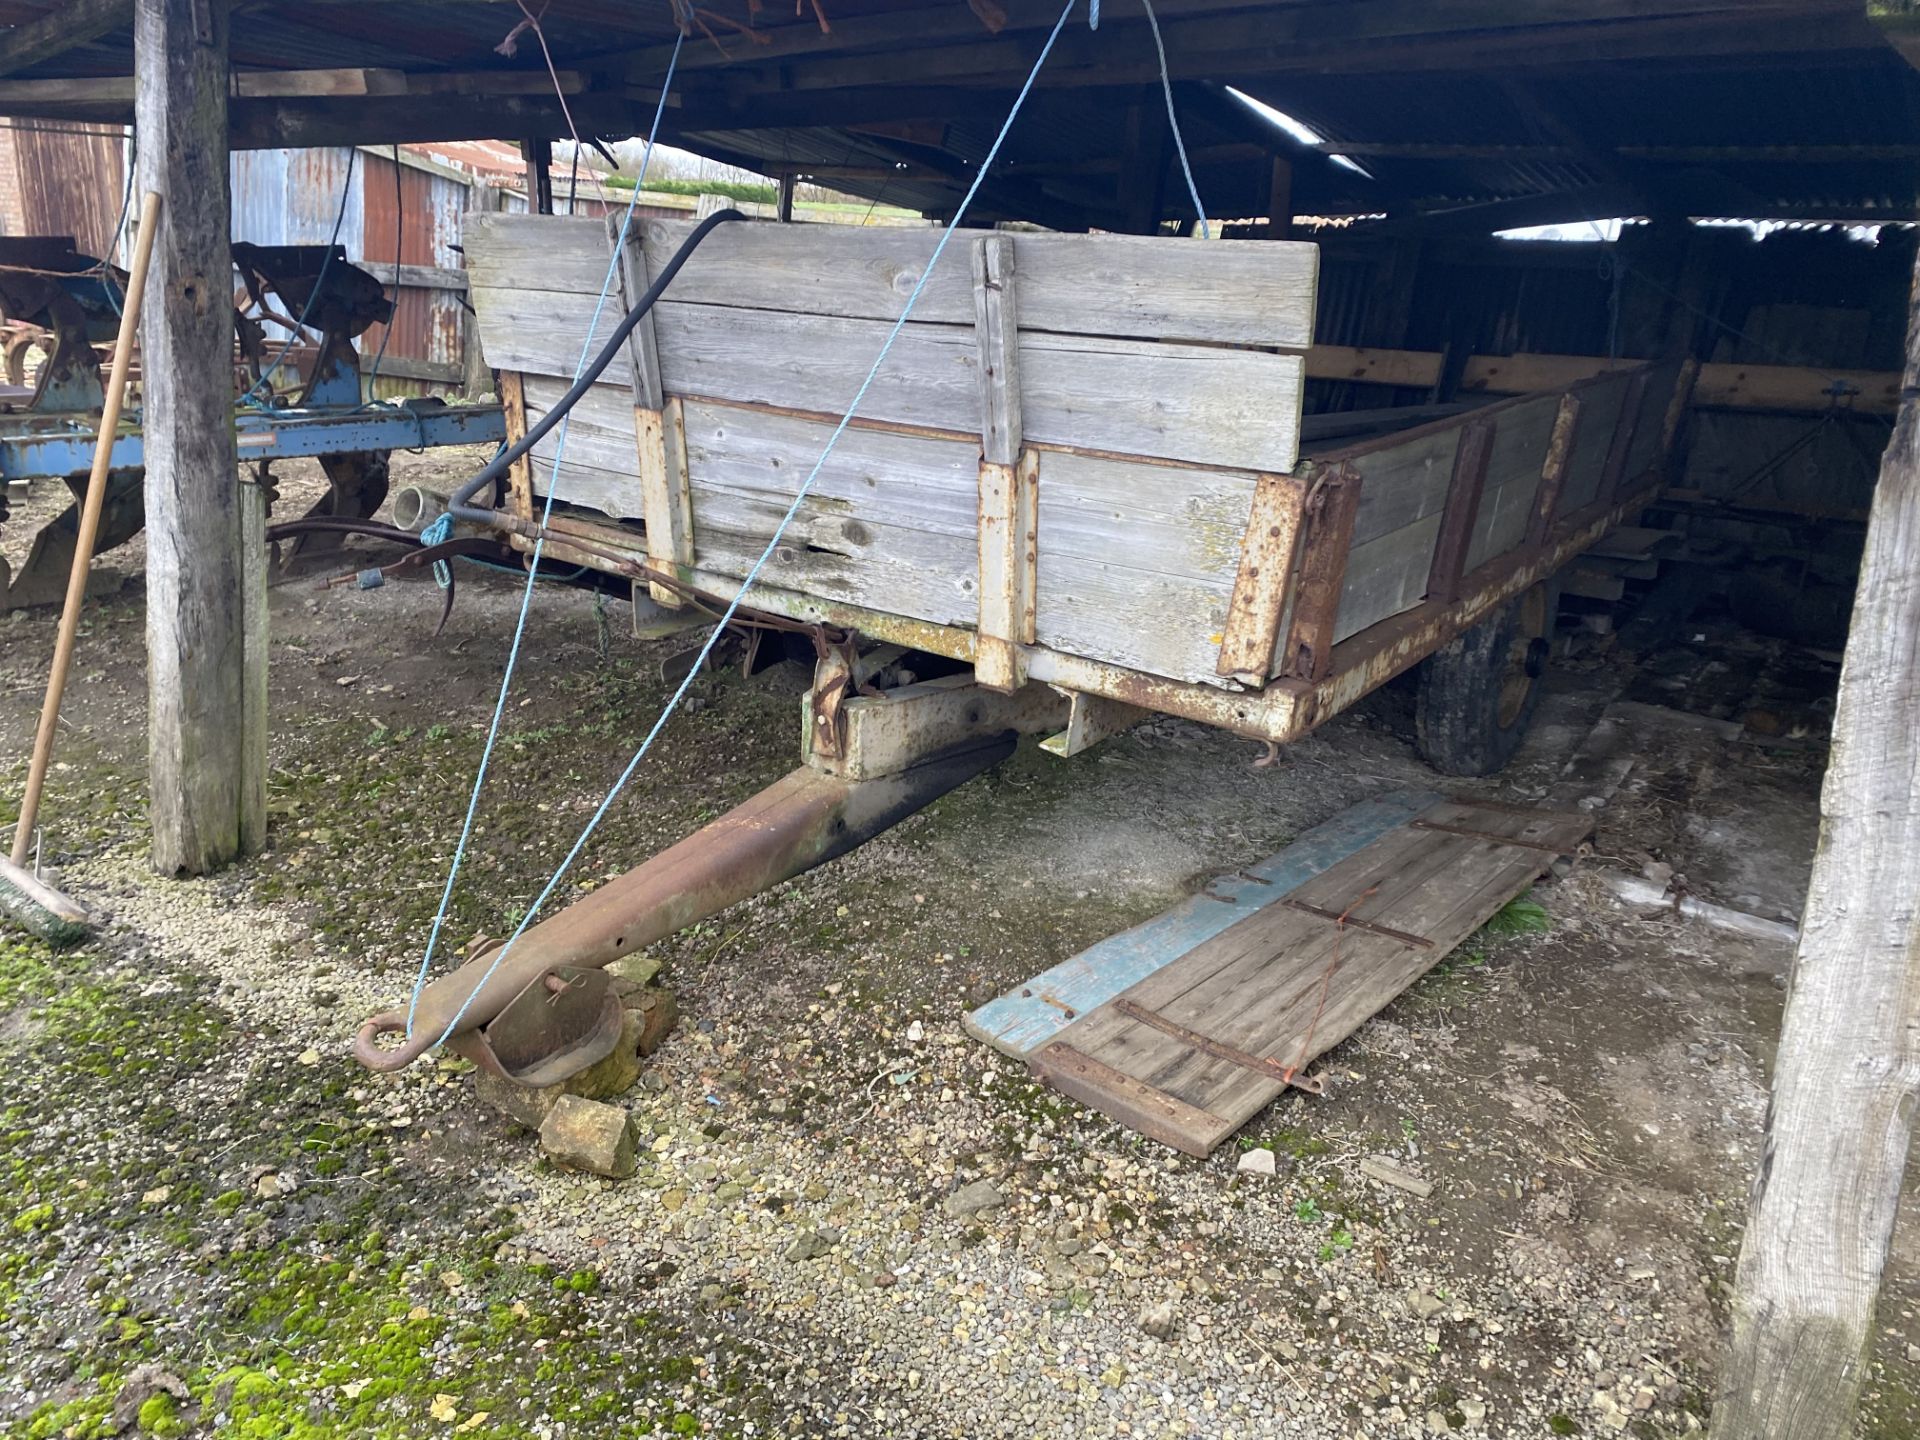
x=1478 y=692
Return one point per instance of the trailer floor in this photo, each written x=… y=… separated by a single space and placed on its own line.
x=850 y=1219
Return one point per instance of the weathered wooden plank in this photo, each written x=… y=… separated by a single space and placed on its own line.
x=257 y=627
x=873 y=475
x=540 y=332
x=556 y=253
x=1386 y=576
x=1142 y=620
x=1373 y=972
x=1030 y=1015
x=1139 y=1107
x=1009 y=558
x=1234 y=408
x=643 y=350
x=666 y=498
x=1137 y=561
x=1403 y=481
x=1268 y=554
x=1285 y=985
x=1649 y=430
x=996 y=335
x=1613 y=474
x=1249 y=293
x=825 y=552
x=1009 y=499
x=1600 y=405
x=1146 y=516
x=1521 y=437
x=598 y=431
x=614 y=493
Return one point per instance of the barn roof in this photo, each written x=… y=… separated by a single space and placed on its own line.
x=1448 y=111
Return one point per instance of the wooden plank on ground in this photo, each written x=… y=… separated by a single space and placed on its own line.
x=1029 y=1015
x=1195 y=1047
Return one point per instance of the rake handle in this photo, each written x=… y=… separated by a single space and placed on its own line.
x=90 y=508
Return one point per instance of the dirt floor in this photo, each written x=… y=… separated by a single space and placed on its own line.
x=216 y=1223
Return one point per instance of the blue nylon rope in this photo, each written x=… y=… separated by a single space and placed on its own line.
x=1166 y=88
x=753 y=574
x=533 y=569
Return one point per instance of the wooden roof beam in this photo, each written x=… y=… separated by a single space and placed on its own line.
x=67 y=26
x=1379 y=36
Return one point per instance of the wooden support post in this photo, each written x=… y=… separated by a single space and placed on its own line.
x=1847 y=1078
x=784 y=209
x=198 y=747
x=1461 y=512
x=1280 y=199
x=666 y=498
x=1269 y=550
x=1333 y=498
x=539 y=157
x=1009 y=477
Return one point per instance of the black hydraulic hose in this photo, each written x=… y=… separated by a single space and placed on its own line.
x=459 y=504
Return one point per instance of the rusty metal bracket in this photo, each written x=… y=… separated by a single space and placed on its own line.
x=1491 y=839
x=1417 y=942
x=565 y=1020
x=1260 y=1064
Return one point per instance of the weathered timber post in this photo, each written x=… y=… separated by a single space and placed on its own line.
x=1848 y=1074
x=196 y=603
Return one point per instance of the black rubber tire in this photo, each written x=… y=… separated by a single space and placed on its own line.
x=1477 y=694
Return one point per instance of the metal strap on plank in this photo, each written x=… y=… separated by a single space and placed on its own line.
x=1492 y=839
x=1417 y=942
x=1260 y=1064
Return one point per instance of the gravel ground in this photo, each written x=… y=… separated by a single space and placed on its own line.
x=848 y=1218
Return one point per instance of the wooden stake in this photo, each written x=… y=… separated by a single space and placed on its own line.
x=1847 y=1080
x=90 y=509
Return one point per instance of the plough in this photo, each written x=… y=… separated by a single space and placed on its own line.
x=50 y=434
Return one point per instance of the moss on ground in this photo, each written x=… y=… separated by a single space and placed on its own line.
x=330 y=1311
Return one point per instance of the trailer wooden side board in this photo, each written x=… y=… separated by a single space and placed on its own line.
x=1081 y=463
x=1190 y=1053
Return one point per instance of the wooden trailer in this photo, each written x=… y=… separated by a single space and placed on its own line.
x=1083 y=464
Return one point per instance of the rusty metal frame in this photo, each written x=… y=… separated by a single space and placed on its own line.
x=1333 y=499
x=1269 y=557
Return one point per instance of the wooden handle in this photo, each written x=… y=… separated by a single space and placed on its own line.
x=90 y=509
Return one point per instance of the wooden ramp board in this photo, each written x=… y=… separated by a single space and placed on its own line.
x=1028 y=1016
x=1190 y=1053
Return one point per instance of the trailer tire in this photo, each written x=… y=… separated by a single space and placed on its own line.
x=1478 y=692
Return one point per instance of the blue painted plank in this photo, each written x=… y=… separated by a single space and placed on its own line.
x=1027 y=1017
